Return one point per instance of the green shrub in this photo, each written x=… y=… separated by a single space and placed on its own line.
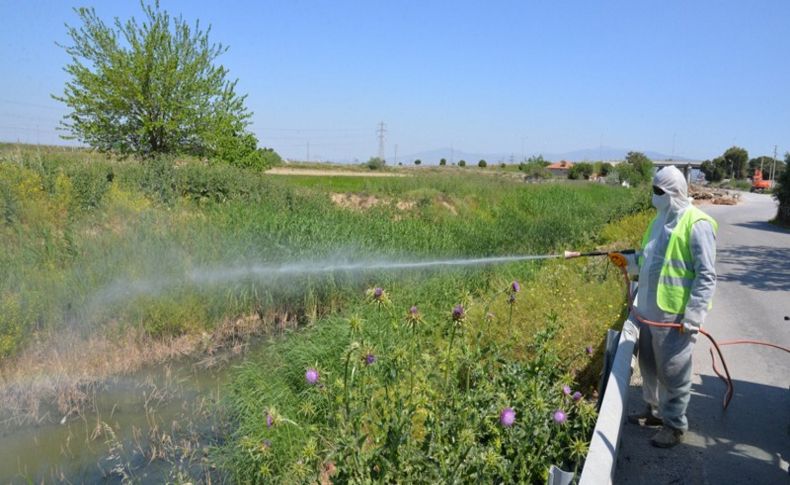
x=782 y=195
x=582 y=170
x=158 y=179
x=270 y=158
x=13 y=324
x=376 y=163
x=534 y=170
x=90 y=182
x=218 y=184
x=171 y=316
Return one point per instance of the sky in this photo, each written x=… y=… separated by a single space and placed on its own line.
x=683 y=78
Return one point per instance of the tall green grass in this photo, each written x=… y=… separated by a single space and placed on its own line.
x=75 y=231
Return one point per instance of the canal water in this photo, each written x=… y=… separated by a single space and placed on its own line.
x=154 y=426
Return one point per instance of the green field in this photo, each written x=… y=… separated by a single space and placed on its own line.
x=107 y=249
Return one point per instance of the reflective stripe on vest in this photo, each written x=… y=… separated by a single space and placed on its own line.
x=677 y=272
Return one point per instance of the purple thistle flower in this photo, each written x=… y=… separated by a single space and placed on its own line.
x=577 y=396
x=566 y=390
x=269 y=420
x=507 y=417
x=311 y=376
x=515 y=287
x=370 y=359
x=377 y=293
x=458 y=313
x=559 y=416
x=589 y=350
x=413 y=316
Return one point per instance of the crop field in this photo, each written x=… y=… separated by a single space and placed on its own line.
x=369 y=372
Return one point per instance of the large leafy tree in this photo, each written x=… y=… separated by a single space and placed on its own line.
x=714 y=170
x=736 y=160
x=636 y=169
x=733 y=163
x=151 y=88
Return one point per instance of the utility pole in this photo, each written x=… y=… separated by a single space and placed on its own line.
x=773 y=167
x=308 y=151
x=380 y=131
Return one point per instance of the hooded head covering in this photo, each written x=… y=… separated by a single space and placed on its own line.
x=673 y=182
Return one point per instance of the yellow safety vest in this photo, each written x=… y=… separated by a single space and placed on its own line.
x=677 y=273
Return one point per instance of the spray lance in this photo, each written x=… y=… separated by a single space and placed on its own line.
x=618 y=258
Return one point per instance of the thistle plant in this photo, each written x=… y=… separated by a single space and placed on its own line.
x=457 y=318
x=378 y=296
x=507 y=417
x=311 y=376
x=394 y=415
x=559 y=416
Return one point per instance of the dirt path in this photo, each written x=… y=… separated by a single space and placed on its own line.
x=329 y=173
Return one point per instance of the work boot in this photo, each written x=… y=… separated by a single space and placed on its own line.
x=667 y=437
x=645 y=418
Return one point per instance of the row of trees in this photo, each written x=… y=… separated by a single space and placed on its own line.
x=734 y=163
x=155 y=88
x=636 y=169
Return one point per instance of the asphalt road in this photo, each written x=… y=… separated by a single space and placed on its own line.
x=749 y=442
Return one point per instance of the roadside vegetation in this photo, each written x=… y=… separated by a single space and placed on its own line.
x=782 y=195
x=132 y=256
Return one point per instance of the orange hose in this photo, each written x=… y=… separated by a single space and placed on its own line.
x=753 y=342
x=717 y=345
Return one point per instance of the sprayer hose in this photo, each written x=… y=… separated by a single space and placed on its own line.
x=715 y=345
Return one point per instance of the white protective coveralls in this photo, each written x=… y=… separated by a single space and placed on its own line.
x=665 y=353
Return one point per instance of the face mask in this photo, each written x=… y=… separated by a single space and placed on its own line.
x=661 y=202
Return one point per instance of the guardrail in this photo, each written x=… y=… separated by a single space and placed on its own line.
x=602 y=456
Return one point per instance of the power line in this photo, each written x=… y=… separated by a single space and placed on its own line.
x=328 y=130
x=7 y=114
x=34 y=105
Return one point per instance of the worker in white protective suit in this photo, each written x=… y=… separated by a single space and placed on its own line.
x=677 y=279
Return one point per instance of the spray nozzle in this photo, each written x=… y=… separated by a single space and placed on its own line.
x=577 y=254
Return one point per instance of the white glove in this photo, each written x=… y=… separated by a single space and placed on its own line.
x=689 y=327
x=633 y=265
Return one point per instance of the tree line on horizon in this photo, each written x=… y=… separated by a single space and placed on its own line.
x=735 y=164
